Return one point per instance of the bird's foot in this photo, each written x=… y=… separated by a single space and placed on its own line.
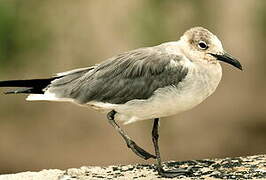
x=139 y=151
x=173 y=173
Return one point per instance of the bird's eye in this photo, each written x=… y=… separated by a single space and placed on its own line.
x=203 y=45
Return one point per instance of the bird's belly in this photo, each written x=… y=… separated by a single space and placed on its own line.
x=166 y=102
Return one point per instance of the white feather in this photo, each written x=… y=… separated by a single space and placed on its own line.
x=47 y=97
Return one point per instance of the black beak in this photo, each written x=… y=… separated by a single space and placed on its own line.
x=228 y=59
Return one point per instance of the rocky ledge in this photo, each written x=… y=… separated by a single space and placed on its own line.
x=251 y=167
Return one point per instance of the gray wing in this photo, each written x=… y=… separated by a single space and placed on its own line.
x=132 y=75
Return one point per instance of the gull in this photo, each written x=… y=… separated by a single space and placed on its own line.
x=141 y=84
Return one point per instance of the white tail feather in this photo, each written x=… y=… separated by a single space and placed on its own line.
x=46 y=97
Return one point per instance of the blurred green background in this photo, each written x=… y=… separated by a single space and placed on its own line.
x=40 y=38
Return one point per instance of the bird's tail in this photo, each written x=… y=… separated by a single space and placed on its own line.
x=39 y=88
x=30 y=86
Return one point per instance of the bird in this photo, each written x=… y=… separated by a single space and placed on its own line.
x=143 y=84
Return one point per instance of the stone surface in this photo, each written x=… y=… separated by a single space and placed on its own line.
x=251 y=167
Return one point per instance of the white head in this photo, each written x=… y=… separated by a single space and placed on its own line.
x=200 y=45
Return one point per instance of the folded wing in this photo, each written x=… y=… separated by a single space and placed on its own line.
x=132 y=75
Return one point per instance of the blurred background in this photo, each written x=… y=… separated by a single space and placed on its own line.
x=40 y=38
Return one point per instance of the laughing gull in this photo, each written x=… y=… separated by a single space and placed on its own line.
x=146 y=83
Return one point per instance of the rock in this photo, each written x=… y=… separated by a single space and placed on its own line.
x=251 y=167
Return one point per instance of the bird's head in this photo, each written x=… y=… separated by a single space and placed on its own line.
x=200 y=45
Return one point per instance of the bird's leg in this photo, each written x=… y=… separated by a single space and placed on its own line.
x=161 y=171
x=130 y=143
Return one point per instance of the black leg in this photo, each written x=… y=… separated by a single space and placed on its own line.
x=130 y=143
x=155 y=137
